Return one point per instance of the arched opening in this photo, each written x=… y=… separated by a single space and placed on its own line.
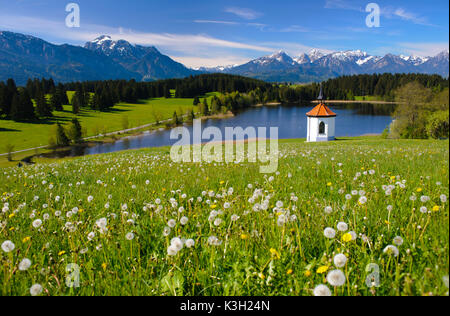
x=321 y=128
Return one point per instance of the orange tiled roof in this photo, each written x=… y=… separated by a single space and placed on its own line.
x=321 y=111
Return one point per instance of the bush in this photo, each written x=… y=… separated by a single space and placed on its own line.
x=9 y=148
x=438 y=125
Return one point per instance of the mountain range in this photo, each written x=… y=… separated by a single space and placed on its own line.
x=316 y=66
x=24 y=56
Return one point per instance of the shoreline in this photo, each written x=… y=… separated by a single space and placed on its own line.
x=355 y=102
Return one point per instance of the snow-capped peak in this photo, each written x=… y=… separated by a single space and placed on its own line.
x=302 y=59
x=315 y=54
x=365 y=60
x=414 y=59
x=280 y=57
x=350 y=54
x=101 y=39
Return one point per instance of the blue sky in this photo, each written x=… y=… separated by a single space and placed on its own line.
x=211 y=33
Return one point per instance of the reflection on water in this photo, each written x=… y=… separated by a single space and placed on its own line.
x=352 y=120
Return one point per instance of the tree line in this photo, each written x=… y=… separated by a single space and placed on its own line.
x=380 y=85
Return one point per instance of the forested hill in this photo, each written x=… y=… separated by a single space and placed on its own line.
x=382 y=86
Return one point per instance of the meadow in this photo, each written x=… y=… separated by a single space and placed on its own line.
x=30 y=135
x=356 y=217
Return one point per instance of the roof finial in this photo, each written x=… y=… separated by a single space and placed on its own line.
x=320 y=97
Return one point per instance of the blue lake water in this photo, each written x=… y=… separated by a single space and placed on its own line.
x=352 y=120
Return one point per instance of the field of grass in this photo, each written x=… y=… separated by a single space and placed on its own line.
x=135 y=223
x=30 y=135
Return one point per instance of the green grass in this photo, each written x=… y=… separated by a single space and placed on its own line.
x=30 y=135
x=367 y=98
x=255 y=255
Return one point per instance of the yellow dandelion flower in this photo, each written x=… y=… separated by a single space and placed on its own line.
x=436 y=208
x=213 y=206
x=329 y=184
x=61 y=253
x=322 y=269
x=347 y=237
x=222 y=182
x=289 y=272
x=11 y=215
x=308 y=274
x=275 y=253
x=244 y=236
x=26 y=239
x=419 y=190
x=104 y=265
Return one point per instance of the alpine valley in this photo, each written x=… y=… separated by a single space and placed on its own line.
x=23 y=57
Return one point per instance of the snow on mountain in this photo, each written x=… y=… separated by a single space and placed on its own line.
x=280 y=57
x=281 y=67
x=146 y=61
x=414 y=59
x=302 y=59
x=315 y=54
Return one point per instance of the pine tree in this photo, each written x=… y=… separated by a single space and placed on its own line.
x=61 y=137
x=55 y=102
x=76 y=103
x=62 y=93
x=215 y=106
x=42 y=107
x=196 y=101
x=75 y=131
x=204 y=110
x=7 y=95
x=176 y=120
x=167 y=93
x=28 y=112
x=3 y=99
x=16 y=109
x=191 y=115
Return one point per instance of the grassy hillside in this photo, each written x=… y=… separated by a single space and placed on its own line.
x=30 y=135
x=118 y=217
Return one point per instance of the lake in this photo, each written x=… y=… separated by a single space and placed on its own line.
x=352 y=120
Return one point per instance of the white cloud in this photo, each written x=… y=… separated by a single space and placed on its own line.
x=391 y=12
x=295 y=29
x=342 y=4
x=423 y=49
x=216 y=22
x=197 y=62
x=294 y=49
x=244 y=13
x=259 y=26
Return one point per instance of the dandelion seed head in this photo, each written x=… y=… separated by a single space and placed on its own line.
x=336 y=278
x=36 y=290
